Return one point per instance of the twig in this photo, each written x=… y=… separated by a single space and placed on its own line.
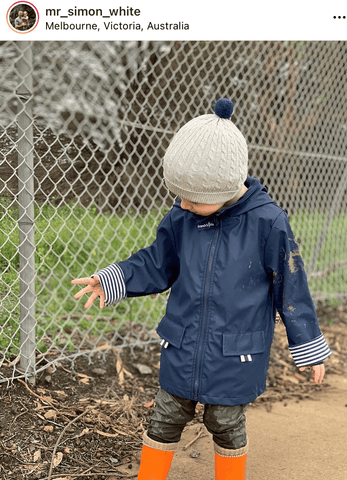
x=33 y=393
x=15 y=419
x=194 y=439
x=60 y=437
x=72 y=475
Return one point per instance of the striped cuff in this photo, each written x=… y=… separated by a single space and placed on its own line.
x=112 y=282
x=313 y=352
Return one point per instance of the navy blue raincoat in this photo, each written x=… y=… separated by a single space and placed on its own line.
x=228 y=274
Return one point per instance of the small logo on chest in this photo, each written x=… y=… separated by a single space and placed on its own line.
x=205 y=226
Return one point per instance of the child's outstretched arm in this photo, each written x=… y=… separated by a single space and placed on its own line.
x=93 y=287
x=149 y=271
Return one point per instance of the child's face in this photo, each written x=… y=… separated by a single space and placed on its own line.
x=203 y=209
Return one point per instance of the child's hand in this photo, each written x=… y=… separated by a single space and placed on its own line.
x=318 y=372
x=94 y=286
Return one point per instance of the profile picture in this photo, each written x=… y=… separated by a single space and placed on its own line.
x=22 y=17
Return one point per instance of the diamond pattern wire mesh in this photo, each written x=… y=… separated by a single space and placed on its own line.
x=103 y=114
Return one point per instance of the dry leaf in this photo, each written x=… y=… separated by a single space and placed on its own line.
x=50 y=414
x=48 y=428
x=119 y=369
x=103 y=346
x=107 y=434
x=83 y=375
x=127 y=373
x=84 y=431
x=60 y=393
x=14 y=362
x=37 y=455
x=58 y=458
x=120 y=432
x=85 y=381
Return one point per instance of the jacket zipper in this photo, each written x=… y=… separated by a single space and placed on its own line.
x=202 y=332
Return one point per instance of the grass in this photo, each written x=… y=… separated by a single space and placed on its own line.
x=72 y=242
x=307 y=227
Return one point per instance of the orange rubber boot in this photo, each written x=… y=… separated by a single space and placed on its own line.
x=229 y=467
x=156 y=459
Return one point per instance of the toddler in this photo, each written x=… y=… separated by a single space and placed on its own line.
x=25 y=20
x=227 y=252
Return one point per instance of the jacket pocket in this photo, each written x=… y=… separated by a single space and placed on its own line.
x=171 y=331
x=243 y=344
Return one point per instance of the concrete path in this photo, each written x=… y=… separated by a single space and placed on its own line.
x=300 y=441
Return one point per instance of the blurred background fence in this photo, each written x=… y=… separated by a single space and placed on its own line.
x=83 y=130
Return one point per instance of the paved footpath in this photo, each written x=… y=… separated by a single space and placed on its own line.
x=300 y=441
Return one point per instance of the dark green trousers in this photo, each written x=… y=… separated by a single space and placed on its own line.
x=227 y=424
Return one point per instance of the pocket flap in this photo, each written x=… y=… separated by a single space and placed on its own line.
x=243 y=343
x=171 y=331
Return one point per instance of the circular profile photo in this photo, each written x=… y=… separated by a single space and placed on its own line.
x=22 y=17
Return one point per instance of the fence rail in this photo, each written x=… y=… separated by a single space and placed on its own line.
x=83 y=129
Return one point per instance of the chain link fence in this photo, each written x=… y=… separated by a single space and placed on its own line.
x=83 y=129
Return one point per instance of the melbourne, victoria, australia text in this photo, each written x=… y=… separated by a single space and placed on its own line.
x=118 y=18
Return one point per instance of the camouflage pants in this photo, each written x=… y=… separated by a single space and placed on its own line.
x=227 y=424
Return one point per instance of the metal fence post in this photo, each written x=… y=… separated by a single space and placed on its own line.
x=26 y=211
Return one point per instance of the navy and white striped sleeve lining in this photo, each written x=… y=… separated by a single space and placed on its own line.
x=310 y=353
x=112 y=282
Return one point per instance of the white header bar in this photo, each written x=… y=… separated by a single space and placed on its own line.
x=176 y=20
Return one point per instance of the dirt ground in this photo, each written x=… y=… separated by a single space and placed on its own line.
x=85 y=421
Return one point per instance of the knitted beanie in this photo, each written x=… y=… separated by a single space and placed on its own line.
x=206 y=161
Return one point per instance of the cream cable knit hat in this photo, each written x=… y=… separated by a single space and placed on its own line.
x=207 y=160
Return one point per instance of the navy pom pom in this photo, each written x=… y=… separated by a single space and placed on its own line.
x=224 y=108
